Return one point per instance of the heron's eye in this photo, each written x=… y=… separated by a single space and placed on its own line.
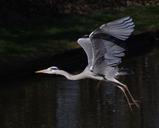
x=53 y=68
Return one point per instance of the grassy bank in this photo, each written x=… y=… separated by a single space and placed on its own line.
x=26 y=39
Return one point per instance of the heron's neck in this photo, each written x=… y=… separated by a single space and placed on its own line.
x=70 y=76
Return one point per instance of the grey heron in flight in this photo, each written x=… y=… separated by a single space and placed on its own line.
x=104 y=54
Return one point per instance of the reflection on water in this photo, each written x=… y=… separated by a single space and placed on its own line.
x=54 y=102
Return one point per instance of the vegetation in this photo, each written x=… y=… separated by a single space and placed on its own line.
x=32 y=38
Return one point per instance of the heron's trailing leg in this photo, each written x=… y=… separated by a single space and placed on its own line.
x=126 y=88
x=128 y=101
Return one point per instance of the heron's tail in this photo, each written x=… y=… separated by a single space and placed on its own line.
x=124 y=71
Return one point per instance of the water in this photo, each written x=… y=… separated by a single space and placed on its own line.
x=53 y=102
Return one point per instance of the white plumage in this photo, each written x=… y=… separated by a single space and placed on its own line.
x=104 y=54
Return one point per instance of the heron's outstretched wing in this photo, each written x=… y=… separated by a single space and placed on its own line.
x=106 y=52
x=86 y=44
x=121 y=28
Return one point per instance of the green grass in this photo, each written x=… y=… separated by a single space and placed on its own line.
x=45 y=36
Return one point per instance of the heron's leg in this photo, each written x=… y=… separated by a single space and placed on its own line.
x=132 y=98
x=128 y=101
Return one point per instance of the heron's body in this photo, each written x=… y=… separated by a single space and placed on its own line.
x=104 y=48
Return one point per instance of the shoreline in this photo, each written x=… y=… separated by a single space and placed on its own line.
x=70 y=60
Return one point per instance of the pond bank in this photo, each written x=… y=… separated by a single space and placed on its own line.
x=139 y=44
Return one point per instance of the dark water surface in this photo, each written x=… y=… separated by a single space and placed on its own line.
x=54 y=102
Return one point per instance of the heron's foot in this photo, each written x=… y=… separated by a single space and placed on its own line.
x=130 y=106
x=136 y=103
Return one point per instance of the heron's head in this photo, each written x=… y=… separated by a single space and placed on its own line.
x=50 y=70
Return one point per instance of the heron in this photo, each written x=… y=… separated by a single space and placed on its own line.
x=104 y=48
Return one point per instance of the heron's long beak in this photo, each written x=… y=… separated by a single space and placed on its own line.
x=41 y=71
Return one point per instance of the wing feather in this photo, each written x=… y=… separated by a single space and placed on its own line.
x=102 y=47
x=86 y=44
x=121 y=28
x=106 y=52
